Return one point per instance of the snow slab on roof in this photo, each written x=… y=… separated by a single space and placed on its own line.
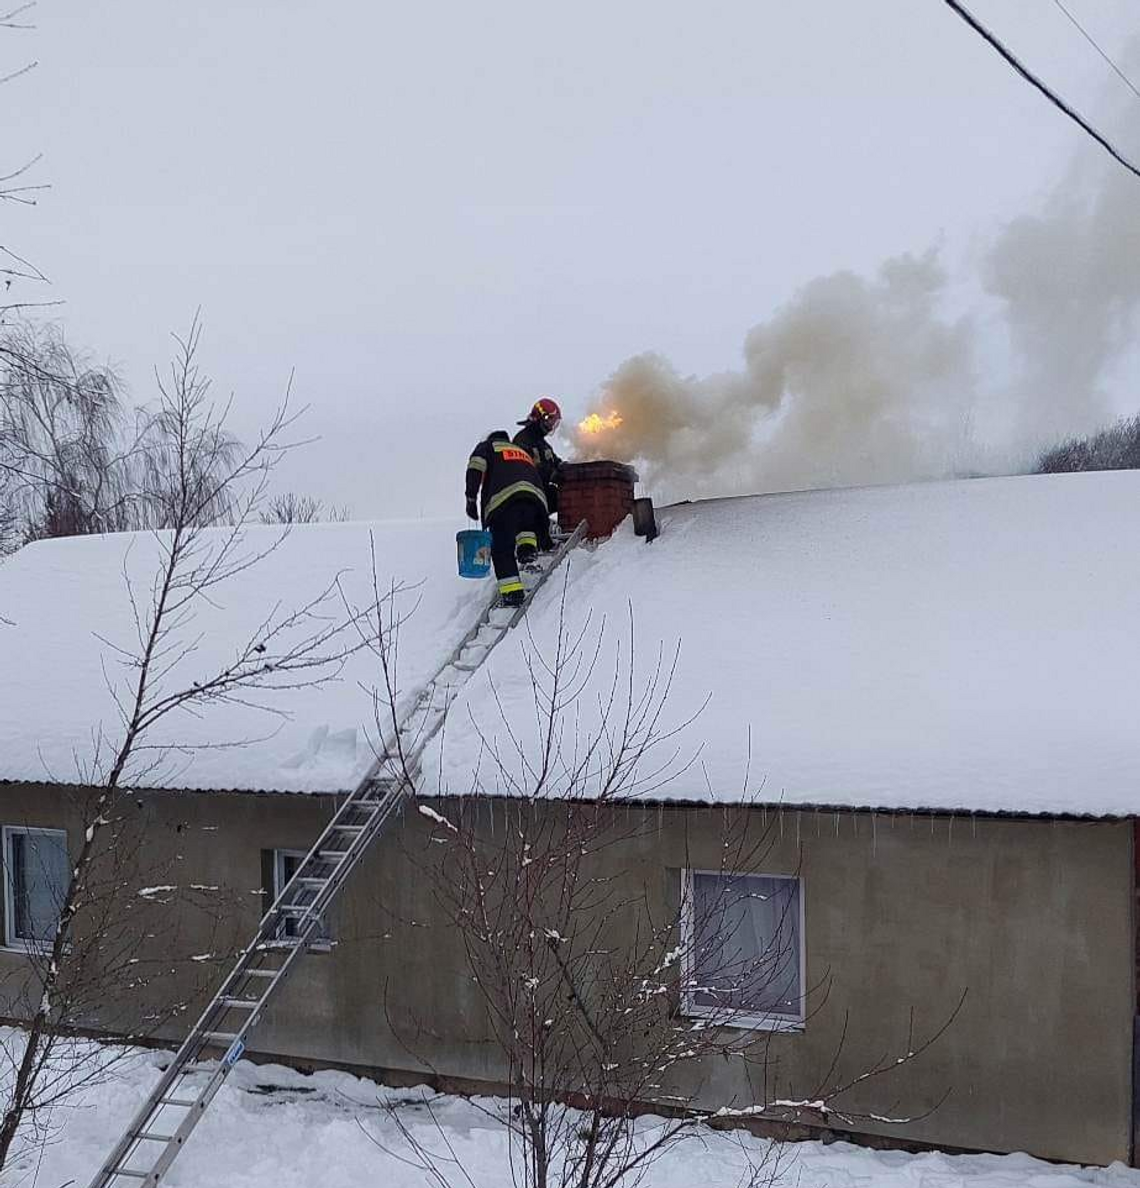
x=969 y=645
x=69 y=607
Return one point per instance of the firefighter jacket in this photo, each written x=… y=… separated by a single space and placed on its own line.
x=500 y=470
x=531 y=438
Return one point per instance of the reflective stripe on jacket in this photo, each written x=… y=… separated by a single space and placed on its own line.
x=533 y=440
x=500 y=470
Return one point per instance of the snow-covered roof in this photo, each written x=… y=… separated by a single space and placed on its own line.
x=69 y=606
x=970 y=645
x=957 y=646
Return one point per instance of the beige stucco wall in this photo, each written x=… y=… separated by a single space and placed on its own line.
x=1031 y=920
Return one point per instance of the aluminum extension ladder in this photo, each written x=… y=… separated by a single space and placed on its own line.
x=168 y=1117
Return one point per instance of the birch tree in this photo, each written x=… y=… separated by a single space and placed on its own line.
x=198 y=471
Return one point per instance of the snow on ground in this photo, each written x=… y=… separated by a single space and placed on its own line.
x=69 y=605
x=965 y=645
x=271 y=1127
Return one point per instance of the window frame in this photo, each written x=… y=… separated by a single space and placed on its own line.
x=321 y=943
x=770 y=1021
x=13 y=943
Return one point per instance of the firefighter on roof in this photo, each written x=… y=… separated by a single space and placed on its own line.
x=514 y=508
x=543 y=419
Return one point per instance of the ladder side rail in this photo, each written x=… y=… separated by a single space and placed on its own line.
x=190 y=1049
x=307 y=924
x=132 y=1142
x=384 y=806
x=328 y=894
x=381 y=807
x=571 y=542
x=194 y=1042
x=356 y=849
x=267 y=932
x=376 y=768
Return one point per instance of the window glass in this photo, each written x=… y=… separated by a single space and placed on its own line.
x=38 y=874
x=285 y=864
x=746 y=944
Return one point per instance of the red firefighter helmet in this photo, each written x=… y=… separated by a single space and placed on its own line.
x=546 y=414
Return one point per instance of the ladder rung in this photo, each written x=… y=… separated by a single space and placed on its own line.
x=245 y=1004
x=184 y=1102
x=134 y=1175
x=332 y=855
x=311 y=880
x=350 y=828
x=157 y=1138
x=219 y=1037
x=261 y=973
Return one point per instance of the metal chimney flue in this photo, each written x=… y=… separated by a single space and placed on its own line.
x=644 y=520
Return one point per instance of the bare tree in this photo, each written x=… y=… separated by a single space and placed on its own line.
x=142 y=929
x=80 y=964
x=602 y=999
x=17 y=189
x=10 y=535
x=292 y=508
x=63 y=459
x=1114 y=448
x=76 y=459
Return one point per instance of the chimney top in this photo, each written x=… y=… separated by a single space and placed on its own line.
x=601 y=493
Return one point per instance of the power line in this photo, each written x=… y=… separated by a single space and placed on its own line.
x=1092 y=41
x=1031 y=78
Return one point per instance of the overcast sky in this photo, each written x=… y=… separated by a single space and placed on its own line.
x=436 y=212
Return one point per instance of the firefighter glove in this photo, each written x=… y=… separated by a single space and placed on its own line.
x=472 y=510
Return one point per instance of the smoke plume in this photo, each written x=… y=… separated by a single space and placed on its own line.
x=868 y=380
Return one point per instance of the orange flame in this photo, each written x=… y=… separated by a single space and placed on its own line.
x=595 y=424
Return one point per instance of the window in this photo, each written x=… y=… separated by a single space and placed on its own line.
x=742 y=947
x=36 y=874
x=285 y=864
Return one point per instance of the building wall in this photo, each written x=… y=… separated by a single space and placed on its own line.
x=1031 y=921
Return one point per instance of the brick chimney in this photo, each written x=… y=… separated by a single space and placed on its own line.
x=601 y=493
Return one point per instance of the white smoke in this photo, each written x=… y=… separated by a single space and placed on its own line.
x=867 y=380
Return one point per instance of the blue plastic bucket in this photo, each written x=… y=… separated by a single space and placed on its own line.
x=474 y=548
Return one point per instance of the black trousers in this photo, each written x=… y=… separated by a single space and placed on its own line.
x=520 y=523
